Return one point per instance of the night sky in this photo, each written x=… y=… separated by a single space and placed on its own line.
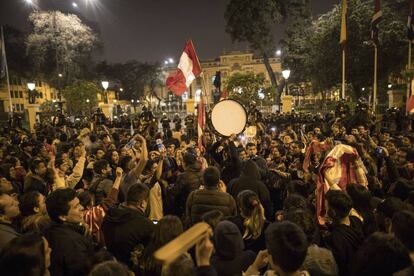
x=148 y=30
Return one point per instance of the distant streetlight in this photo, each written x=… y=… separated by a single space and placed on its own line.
x=105 y=85
x=87 y=100
x=31 y=86
x=389 y=86
x=74 y=5
x=166 y=62
x=60 y=75
x=363 y=88
x=137 y=101
x=170 y=60
x=121 y=89
x=115 y=100
x=29 y=1
x=286 y=75
x=278 y=53
x=132 y=101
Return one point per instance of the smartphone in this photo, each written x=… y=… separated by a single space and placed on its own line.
x=130 y=144
x=379 y=152
x=160 y=145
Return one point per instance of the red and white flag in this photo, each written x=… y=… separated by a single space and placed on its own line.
x=201 y=121
x=223 y=95
x=188 y=69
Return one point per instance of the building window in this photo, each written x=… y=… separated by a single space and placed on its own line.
x=21 y=107
x=16 y=94
x=40 y=83
x=41 y=95
x=21 y=94
x=12 y=94
x=52 y=95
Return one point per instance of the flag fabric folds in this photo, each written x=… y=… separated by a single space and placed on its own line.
x=187 y=70
x=344 y=35
x=410 y=24
x=376 y=18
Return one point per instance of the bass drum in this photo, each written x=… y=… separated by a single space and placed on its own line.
x=227 y=117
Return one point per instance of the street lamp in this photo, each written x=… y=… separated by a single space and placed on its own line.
x=87 y=100
x=31 y=86
x=279 y=53
x=74 y=4
x=389 y=86
x=170 y=60
x=286 y=75
x=105 y=85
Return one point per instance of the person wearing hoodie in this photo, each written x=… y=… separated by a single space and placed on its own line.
x=250 y=180
x=230 y=257
x=126 y=228
x=187 y=182
x=346 y=233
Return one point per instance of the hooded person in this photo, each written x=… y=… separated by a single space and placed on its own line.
x=250 y=180
x=230 y=257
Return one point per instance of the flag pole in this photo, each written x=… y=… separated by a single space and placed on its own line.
x=7 y=74
x=410 y=46
x=343 y=73
x=374 y=100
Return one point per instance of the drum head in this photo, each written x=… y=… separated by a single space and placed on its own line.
x=228 y=117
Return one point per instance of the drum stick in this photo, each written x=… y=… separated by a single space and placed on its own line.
x=180 y=245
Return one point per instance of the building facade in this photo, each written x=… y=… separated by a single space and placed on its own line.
x=228 y=64
x=19 y=95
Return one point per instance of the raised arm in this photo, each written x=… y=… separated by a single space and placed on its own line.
x=139 y=168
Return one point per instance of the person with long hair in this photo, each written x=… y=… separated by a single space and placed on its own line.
x=167 y=229
x=251 y=220
x=28 y=255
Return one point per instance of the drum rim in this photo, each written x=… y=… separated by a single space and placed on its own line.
x=233 y=100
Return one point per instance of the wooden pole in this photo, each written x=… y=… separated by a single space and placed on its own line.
x=409 y=69
x=374 y=100
x=343 y=74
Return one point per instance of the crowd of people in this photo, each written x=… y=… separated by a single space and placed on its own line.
x=100 y=200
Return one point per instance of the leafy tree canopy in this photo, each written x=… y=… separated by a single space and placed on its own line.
x=245 y=87
x=77 y=94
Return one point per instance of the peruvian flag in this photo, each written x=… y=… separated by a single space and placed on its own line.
x=410 y=105
x=188 y=69
x=201 y=121
x=223 y=95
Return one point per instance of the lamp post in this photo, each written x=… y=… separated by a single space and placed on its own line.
x=105 y=85
x=286 y=75
x=32 y=94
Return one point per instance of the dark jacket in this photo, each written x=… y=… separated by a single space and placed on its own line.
x=124 y=229
x=7 y=233
x=71 y=249
x=200 y=202
x=230 y=259
x=187 y=182
x=34 y=182
x=250 y=180
x=344 y=241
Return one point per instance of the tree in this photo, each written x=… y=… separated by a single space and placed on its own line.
x=295 y=43
x=133 y=76
x=245 y=87
x=322 y=54
x=60 y=43
x=76 y=97
x=253 y=21
x=17 y=60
